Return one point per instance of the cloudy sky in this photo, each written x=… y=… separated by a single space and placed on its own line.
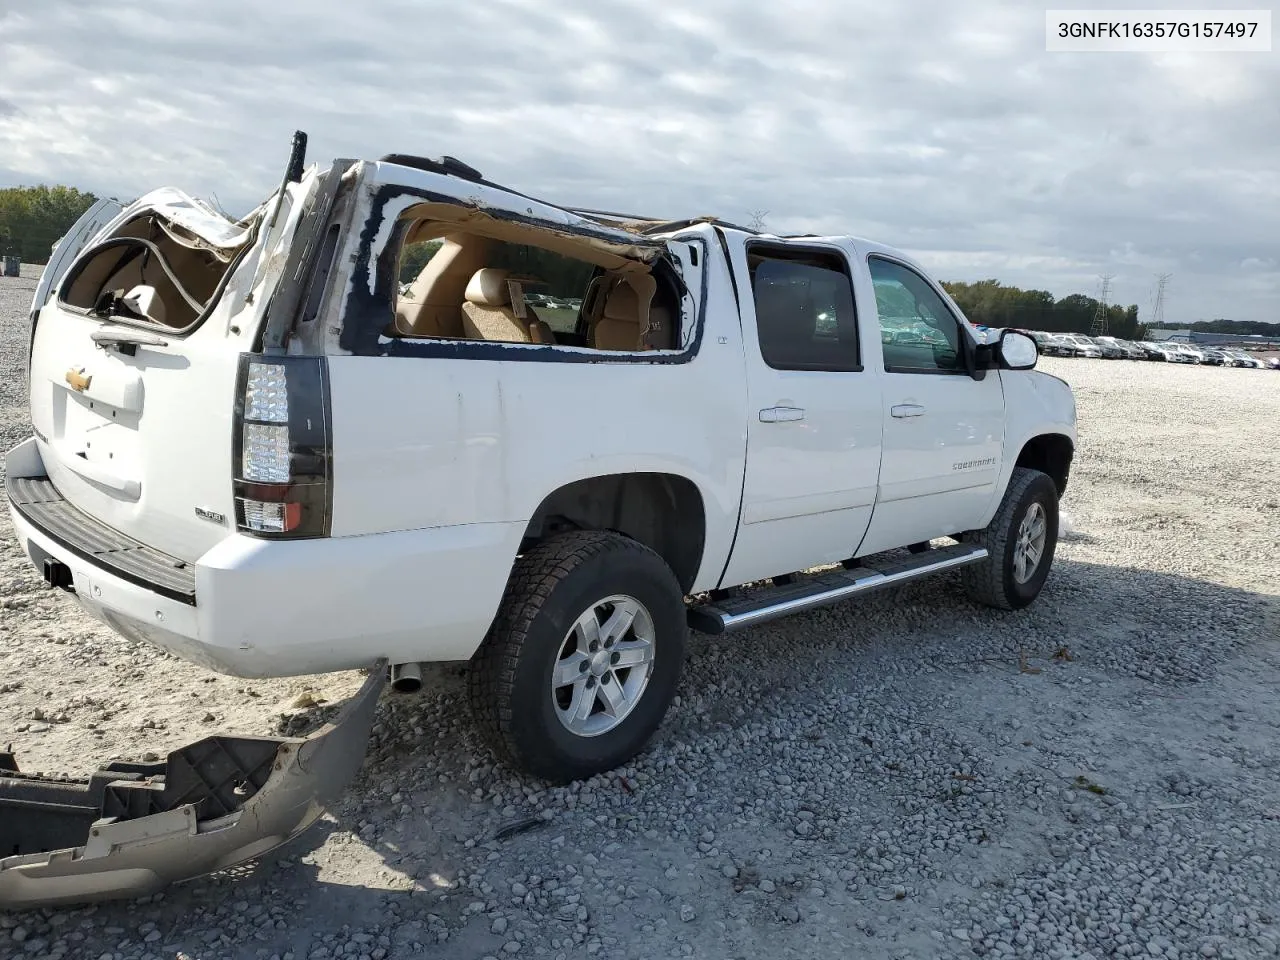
x=940 y=127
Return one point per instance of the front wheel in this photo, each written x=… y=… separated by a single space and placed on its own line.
x=1020 y=542
x=582 y=661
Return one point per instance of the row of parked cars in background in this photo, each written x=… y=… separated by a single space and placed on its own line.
x=1113 y=348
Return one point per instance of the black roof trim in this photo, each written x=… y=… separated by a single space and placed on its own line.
x=451 y=166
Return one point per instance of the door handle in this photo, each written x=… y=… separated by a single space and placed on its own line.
x=907 y=410
x=781 y=414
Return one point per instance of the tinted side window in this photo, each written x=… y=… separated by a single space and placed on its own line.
x=918 y=333
x=805 y=315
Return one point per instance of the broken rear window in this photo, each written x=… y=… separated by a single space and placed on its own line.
x=151 y=272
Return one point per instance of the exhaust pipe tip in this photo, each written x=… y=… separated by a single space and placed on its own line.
x=406 y=677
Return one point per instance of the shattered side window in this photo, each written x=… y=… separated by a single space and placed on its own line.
x=553 y=286
x=435 y=277
x=414 y=257
x=472 y=286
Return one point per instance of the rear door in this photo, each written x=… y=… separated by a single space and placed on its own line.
x=133 y=415
x=943 y=430
x=813 y=425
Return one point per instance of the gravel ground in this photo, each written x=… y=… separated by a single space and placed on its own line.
x=909 y=776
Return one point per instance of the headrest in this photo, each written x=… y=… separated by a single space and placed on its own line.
x=488 y=288
x=623 y=304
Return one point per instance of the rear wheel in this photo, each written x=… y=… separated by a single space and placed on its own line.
x=582 y=661
x=1020 y=541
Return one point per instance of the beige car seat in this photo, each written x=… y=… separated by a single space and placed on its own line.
x=624 y=321
x=488 y=314
x=432 y=307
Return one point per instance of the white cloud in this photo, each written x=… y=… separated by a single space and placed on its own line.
x=942 y=128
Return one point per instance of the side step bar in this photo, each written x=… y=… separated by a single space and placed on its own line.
x=820 y=590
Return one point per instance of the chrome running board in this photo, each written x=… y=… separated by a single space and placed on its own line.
x=823 y=589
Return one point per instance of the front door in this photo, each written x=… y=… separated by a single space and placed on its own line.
x=944 y=431
x=813 y=429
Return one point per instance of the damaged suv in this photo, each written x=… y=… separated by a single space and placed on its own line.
x=403 y=412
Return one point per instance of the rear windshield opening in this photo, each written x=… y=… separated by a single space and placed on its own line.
x=456 y=284
x=149 y=273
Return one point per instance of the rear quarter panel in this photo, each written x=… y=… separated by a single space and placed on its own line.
x=422 y=442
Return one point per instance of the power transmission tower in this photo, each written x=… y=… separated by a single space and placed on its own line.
x=756 y=224
x=1100 y=317
x=1157 y=309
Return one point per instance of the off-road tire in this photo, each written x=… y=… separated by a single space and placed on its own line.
x=509 y=676
x=991 y=582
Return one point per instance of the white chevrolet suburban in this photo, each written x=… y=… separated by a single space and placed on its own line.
x=399 y=411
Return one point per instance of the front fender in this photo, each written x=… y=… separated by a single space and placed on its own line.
x=1036 y=404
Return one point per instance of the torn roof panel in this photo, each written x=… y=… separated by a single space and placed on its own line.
x=505 y=204
x=194 y=217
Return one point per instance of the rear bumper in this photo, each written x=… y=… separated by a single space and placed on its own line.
x=131 y=829
x=265 y=608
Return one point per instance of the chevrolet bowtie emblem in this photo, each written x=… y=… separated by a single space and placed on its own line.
x=78 y=379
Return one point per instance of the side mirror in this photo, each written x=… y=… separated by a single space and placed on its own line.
x=1017 y=351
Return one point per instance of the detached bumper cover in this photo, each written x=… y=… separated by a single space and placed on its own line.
x=133 y=828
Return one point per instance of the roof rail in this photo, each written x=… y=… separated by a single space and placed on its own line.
x=447 y=165
x=655 y=225
x=634 y=218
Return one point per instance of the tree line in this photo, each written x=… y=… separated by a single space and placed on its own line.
x=1244 y=328
x=992 y=304
x=33 y=219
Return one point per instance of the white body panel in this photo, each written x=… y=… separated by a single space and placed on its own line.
x=134 y=450
x=434 y=441
x=943 y=437
x=810 y=481
x=1036 y=404
x=480 y=450
x=941 y=462
x=439 y=462
x=143 y=441
x=309 y=606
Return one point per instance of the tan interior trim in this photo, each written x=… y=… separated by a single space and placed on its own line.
x=439 y=219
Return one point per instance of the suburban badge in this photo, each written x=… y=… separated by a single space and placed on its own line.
x=211 y=516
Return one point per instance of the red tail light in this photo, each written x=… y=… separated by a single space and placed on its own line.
x=281 y=447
